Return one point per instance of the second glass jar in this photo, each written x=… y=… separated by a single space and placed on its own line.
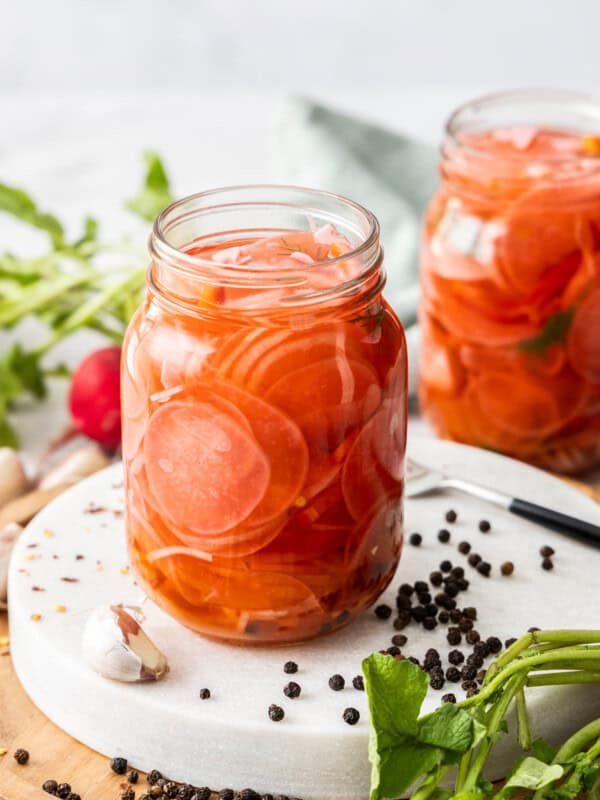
x=264 y=416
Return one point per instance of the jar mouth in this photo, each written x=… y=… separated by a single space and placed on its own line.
x=226 y=214
x=561 y=110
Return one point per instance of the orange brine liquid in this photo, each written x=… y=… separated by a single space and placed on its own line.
x=510 y=313
x=264 y=450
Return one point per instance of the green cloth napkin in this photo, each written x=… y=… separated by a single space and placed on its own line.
x=392 y=175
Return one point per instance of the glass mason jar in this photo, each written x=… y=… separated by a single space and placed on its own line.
x=264 y=415
x=510 y=276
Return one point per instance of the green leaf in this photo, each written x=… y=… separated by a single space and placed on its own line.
x=450 y=728
x=18 y=203
x=543 y=751
x=90 y=233
x=155 y=194
x=27 y=367
x=532 y=774
x=394 y=770
x=8 y=437
x=554 y=331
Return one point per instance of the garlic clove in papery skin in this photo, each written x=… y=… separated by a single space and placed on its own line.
x=74 y=467
x=8 y=537
x=13 y=481
x=115 y=646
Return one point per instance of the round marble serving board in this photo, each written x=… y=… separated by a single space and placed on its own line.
x=229 y=740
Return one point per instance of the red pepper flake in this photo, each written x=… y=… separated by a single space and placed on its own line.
x=70 y=580
x=79 y=557
x=33 y=544
x=95 y=509
x=37 y=589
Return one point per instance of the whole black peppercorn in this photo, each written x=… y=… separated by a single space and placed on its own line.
x=133 y=776
x=383 y=611
x=436 y=680
x=457 y=572
x=276 y=713
x=204 y=694
x=402 y=620
x=351 y=716
x=435 y=578
x=474 y=559
x=399 y=639
x=128 y=794
x=451 y=589
x=470 y=612
x=414 y=660
x=454 y=636
x=484 y=568
x=187 y=791
x=403 y=602
x=119 y=765
x=481 y=649
x=494 y=644
x=456 y=657
x=50 y=786
x=406 y=589
x=474 y=660
x=21 y=756
x=451 y=515
x=547 y=564
x=507 y=568
x=393 y=651
x=432 y=657
x=455 y=616
x=468 y=673
x=429 y=623
x=453 y=674
x=63 y=790
x=267 y=797
x=421 y=586
x=247 y=794
x=441 y=599
x=484 y=526
x=359 y=683
x=153 y=777
x=443 y=536
x=290 y=667
x=424 y=598
x=465 y=624
x=431 y=610
x=463 y=584
x=472 y=691
x=203 y=793
x=472 y=636
x=446 y=565
x=415 y=539
x=418 y=613
x=533 y=628
x=226 y=794
x=481 y=676
x=75 y=796
x=337 y=683
x=464 y=548
x=292 y=690
x=546 y=551
x=449 y=698
x=443 y=617
x=466 y=685
x=509 y=642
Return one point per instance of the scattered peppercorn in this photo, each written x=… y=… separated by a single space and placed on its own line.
x=406 y=589
x=247 y=794
x=119 y=765
x=429 y=623
x=359 y=683
x=464 y=548
x=431 y=610
x=453 y=636
x=455 y=616
x=418 y=613
x=383 y=611
x=451 y=589
x=481 y=649
x=484 y=568
x=481 y=676
x=466 y=685
x=475 y=660
x=443 y=535
x=443 y=617
x=465 y=624
x=415 y=539
x=50 y=786
x=509 y=642
x=474 y=559
x=63 y=790
x=494 y=644
x=547 y=564
x=456 y=657
x=128 y=794
x=393 y=651
x=203 y=793
x=414 y=660
x=435 y=578
x=204 y=694
x=403 y=602
x=472 y=636
x=472 y=692
x=468 y=673
x=351 y=716
x=453 y=674
x=21 y=756
x=75 y=796
x=484 y=526
x=436 y=679
x=292 y=690
x=424 y=598
x=401 y=621
x=451 y=515
x=449 y=698
x=463 y=584
x=546 y=551
x=337 y=683
x=399 y=639
x=421 y=586
x=446 y=565
x=507 y=568
x=226 y=794
x=432 y=658
x=290 y=667
x=153 y=777
x=533 y=629
x=276 y=713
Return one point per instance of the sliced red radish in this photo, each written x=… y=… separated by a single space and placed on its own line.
x=205 y=472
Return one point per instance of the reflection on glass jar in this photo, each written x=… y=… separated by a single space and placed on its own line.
x=264 y=415
x=510 y=275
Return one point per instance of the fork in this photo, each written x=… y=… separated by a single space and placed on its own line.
x=421 y=480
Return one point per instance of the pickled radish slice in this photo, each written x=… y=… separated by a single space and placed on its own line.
x=282 y=443
x=244 y=540
x=205 y=472
x=583 y=343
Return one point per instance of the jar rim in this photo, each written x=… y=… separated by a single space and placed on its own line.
x=566 y=99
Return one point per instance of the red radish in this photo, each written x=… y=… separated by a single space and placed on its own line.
x=95 y=398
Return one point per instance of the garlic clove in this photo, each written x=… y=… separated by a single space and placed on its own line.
x=115 y=646
x=77 y=465
x=13 y=481
x=8 y=536
x=26 y=506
